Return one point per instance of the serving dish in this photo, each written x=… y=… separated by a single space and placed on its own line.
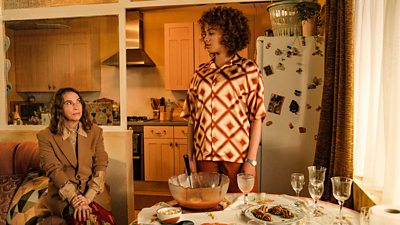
x=276 y=220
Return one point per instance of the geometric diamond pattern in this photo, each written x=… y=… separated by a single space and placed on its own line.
x=221 y=103
x=24 y=204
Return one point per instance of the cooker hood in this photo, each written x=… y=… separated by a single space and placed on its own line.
x=135 y=54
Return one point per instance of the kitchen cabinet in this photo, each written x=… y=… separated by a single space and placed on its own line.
x=164 y=147
x=184 y=52
x=46 y=60
x=179 y=53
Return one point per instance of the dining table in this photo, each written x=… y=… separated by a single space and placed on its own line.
x=231 y=210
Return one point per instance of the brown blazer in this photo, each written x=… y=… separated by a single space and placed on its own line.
x=58 y=160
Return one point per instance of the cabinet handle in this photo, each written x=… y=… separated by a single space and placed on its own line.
x=164 y=132
x=136 y=157
x=49 y=86
x=170 y=145
x=185 y=133
x=54 y=87
x=176 y=145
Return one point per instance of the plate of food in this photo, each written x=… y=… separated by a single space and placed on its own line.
x=274 y=214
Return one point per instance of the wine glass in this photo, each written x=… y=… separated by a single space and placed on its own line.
x=316 y=174
x=341 y=188
x=316 y=189
x=245 y=183
x=316 y=180
x=297 y=182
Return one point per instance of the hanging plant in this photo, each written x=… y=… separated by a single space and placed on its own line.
x=307 y=10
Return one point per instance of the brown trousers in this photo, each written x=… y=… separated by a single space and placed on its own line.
x=230 y=169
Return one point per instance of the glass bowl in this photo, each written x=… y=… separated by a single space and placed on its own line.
x=201 y=191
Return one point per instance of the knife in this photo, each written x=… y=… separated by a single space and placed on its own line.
x=189 y=173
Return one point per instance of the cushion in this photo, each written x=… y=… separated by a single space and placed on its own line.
x=8 y=187
x=24 y=206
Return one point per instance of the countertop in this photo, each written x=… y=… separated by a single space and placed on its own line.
x=159 y=123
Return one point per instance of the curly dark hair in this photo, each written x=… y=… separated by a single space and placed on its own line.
x=233 y=24
x=57 y=113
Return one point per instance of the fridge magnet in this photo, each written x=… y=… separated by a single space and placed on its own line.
x=295 y=51
x=268 y=70
x=294 y=107
x=275 y=104
x=288 y=54
x=308 y=106
x=297 y=92
x=268 y=123
x=268 y=45
x=299 y=70
x=317 y=51
x=302 y=130
x=303 y=41
x=278 y=52
x=280 y=66
x=291 y=125
x=318 y=108
x=316 y=82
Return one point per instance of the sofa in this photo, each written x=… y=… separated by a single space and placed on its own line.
x=22 y=183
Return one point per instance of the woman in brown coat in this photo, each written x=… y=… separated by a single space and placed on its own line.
x=73 y=156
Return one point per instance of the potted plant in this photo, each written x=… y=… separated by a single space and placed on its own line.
x=308 y=13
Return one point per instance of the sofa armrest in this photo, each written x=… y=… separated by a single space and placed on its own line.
x=18 y=157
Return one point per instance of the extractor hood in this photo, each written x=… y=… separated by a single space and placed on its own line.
x=135 y=54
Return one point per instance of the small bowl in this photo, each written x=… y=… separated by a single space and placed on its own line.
x=169 y=214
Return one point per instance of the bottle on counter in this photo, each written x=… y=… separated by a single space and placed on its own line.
x=17 y=118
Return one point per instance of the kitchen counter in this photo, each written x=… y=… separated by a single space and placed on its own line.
x=159 y=123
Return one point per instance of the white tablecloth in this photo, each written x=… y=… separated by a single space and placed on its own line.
x=232 y=215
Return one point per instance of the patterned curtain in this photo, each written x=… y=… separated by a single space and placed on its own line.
x=334 y=148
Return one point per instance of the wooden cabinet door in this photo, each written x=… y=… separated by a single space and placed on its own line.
x=181 y=148
x=178 y=49
x=74 y=63
x=158 y=159
x=46 y=60
x=32 y=54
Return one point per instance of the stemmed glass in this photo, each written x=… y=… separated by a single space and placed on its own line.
x=341 y=188
x=245 y=183
x=297 y=182
x=316 y=185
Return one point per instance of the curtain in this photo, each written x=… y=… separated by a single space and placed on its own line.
x=377 y=102
x=334 y=148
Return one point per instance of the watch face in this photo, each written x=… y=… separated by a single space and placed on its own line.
x=252 y=162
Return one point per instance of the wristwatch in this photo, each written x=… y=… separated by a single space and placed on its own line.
x=252 y=162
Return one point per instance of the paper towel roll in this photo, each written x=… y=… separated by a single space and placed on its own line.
x=384 y=215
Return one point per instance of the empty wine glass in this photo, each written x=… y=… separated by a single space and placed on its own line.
x=316 y=189
x=341 y=188
x=245 y=183
x=297 y=182
x=316 y=174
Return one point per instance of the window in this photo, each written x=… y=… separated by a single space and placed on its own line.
x=376 y=97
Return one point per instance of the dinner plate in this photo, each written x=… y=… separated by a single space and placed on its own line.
x=276 y=220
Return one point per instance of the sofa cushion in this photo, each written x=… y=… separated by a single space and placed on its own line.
x=24 y=206
x=8 y=187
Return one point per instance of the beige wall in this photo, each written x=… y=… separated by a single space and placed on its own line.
x=119 y=173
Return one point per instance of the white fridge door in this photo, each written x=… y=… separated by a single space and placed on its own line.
x=292 y=69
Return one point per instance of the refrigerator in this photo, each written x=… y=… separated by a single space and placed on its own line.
x=292 y=69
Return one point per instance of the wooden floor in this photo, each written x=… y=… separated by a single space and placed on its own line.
x=150 y=193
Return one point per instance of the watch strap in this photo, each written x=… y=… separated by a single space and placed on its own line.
x=252 y=162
